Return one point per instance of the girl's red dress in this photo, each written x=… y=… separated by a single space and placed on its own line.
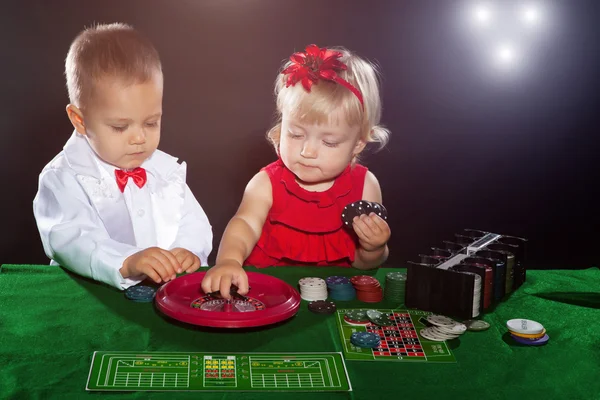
x=305 y=228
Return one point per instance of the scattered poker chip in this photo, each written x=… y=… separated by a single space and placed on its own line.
x=442 y=328
x=476 y=325
x=429 y=334
x=356 y=323
x=140 y=293
x=525 y=326
x=440 y=320
x=531 y=342
x=322 y=307
x=365 y=339
x=436 y=331
x=378 y=318
x=357 y=315
x=457 y=329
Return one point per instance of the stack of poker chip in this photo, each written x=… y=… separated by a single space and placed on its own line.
x=365 y=339
x=340 y=288
x=312 y=289
x=368 y=289
x=322 y=307
x=442 y=329
x=527 y=332
x=140 y=293
x=356 y=317
x=395 y=287
x=476 y=292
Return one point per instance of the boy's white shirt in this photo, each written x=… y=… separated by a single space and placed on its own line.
x=88 y=226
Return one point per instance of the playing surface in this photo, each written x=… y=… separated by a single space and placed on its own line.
x=400 y=341
x=151 y=371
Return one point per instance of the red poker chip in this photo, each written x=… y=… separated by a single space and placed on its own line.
x=269 y=301
x=353 y=322
x=363 y=280
x=368 y=288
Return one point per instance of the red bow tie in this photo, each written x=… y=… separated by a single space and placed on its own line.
x=138 y=175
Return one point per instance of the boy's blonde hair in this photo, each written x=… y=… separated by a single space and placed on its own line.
x=115 y=51
x=317 y=106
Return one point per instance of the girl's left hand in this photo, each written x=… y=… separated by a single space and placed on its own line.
x=372 y=231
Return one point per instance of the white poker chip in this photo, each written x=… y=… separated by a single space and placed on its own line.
x=374 y=314
x=429 y=335
x=436 y=331
x=313 y=289
x=457 y=329
x=440 y=320
x=313 y=298
x=525 y=326
x=312 y=282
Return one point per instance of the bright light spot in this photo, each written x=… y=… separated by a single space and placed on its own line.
x=530 y=15
x=482 y=14
x=505 y=53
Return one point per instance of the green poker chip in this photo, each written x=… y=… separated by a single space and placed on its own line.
x=396 y=276
x=476 y=325
x=357 y=315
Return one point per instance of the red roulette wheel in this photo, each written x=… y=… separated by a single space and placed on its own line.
x=269 y=300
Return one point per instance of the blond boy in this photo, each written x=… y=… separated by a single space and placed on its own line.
x=110 y=206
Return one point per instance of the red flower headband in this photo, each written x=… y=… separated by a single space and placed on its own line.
x=314 y=64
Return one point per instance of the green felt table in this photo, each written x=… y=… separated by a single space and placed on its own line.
x=51 y=322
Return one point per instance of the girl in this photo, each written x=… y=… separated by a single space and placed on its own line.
x=329 y=107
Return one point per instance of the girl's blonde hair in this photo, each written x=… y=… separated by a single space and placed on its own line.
x=317 y=106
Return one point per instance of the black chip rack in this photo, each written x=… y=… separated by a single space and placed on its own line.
x=437 y=289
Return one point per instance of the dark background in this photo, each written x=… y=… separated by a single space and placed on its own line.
x=510 y=151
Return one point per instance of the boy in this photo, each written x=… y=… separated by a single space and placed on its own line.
x=111 y=206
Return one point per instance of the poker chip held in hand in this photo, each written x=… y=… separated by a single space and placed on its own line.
x=361 y=207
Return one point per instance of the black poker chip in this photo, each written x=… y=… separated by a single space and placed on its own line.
x=358 y=208
x=322 y=307
x=380 y=210
x=140 y=293
x=355 y=209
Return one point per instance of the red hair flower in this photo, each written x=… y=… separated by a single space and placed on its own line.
x=314 y=64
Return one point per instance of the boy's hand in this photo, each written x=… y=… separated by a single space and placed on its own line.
x=222 y=276
x=372 y=231
x=189 y=261
x=157 y=264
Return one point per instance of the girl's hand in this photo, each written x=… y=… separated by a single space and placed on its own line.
x=372 y=231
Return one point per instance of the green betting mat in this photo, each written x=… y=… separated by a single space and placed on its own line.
x=400 y=341
x=157 y=371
